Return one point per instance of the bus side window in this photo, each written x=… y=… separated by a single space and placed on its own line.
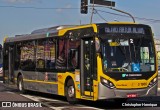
x=17 y=56
x=73 y=58
x=73 y=55
x=40 y=61
x=27 y=56
x=50 y=53
x=61 y=59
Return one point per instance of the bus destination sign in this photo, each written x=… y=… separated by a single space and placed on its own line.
x=125 y=30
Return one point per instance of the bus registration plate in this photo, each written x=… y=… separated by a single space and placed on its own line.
x=131 y=95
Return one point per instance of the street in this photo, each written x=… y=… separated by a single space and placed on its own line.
x=79 y=55
x=53 y=102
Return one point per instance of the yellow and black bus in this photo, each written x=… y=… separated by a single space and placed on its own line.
x=115 y=60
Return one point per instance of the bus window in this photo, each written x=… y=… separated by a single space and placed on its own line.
x=73 y=55
x=61 y=59
x=50 y=54
x=27 y=56
x=40 y=61
x=17 y=56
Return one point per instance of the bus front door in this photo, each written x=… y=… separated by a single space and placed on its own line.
x=11 y=65
x=87 y=66
x=8 y=69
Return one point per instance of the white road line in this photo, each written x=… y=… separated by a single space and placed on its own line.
x=77 y=107
x=36 y=100
x=48 y=104
x=51 y=99
x=10 y=92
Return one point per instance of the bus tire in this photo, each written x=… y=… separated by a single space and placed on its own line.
x=71 y=92
x=20 y=84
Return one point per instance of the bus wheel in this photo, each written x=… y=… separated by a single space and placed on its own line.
x=20 y=84
x=71 y=92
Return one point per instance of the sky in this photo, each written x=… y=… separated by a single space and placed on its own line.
x=23 y=16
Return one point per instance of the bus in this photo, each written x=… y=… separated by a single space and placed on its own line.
x=1 y=60
x=99 y=61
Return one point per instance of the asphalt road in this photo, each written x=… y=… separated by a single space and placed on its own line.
x=53 y=102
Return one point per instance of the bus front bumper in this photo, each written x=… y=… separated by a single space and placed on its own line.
x=107 y=93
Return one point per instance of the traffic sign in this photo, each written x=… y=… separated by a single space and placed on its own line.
x=103 y=2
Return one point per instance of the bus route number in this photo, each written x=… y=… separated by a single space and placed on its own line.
x=142 y=84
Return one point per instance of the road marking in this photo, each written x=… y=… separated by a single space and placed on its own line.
x=36 y=99
x=49 y=103
x=10 y=92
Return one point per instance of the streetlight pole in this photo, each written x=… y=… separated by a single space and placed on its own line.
x=92 y=13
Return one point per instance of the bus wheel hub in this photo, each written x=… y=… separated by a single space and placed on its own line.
x=20 y=86
x=71 y=91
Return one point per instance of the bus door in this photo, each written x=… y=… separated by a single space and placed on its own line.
x=9 y=64
x=87 y=66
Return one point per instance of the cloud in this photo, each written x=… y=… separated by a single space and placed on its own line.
x=61 y=10
x=18 y=1
x=68 y=6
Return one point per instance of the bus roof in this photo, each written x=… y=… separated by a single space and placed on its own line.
x=37 y=34
x=54 y=31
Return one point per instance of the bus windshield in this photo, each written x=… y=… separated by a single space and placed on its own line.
x=129 y=54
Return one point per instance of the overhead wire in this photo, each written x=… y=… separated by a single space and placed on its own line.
x=98 y=10
x=145 y=19
x=33 y=7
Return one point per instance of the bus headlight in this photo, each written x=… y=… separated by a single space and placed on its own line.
x=107 y=83
x=153 y=82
